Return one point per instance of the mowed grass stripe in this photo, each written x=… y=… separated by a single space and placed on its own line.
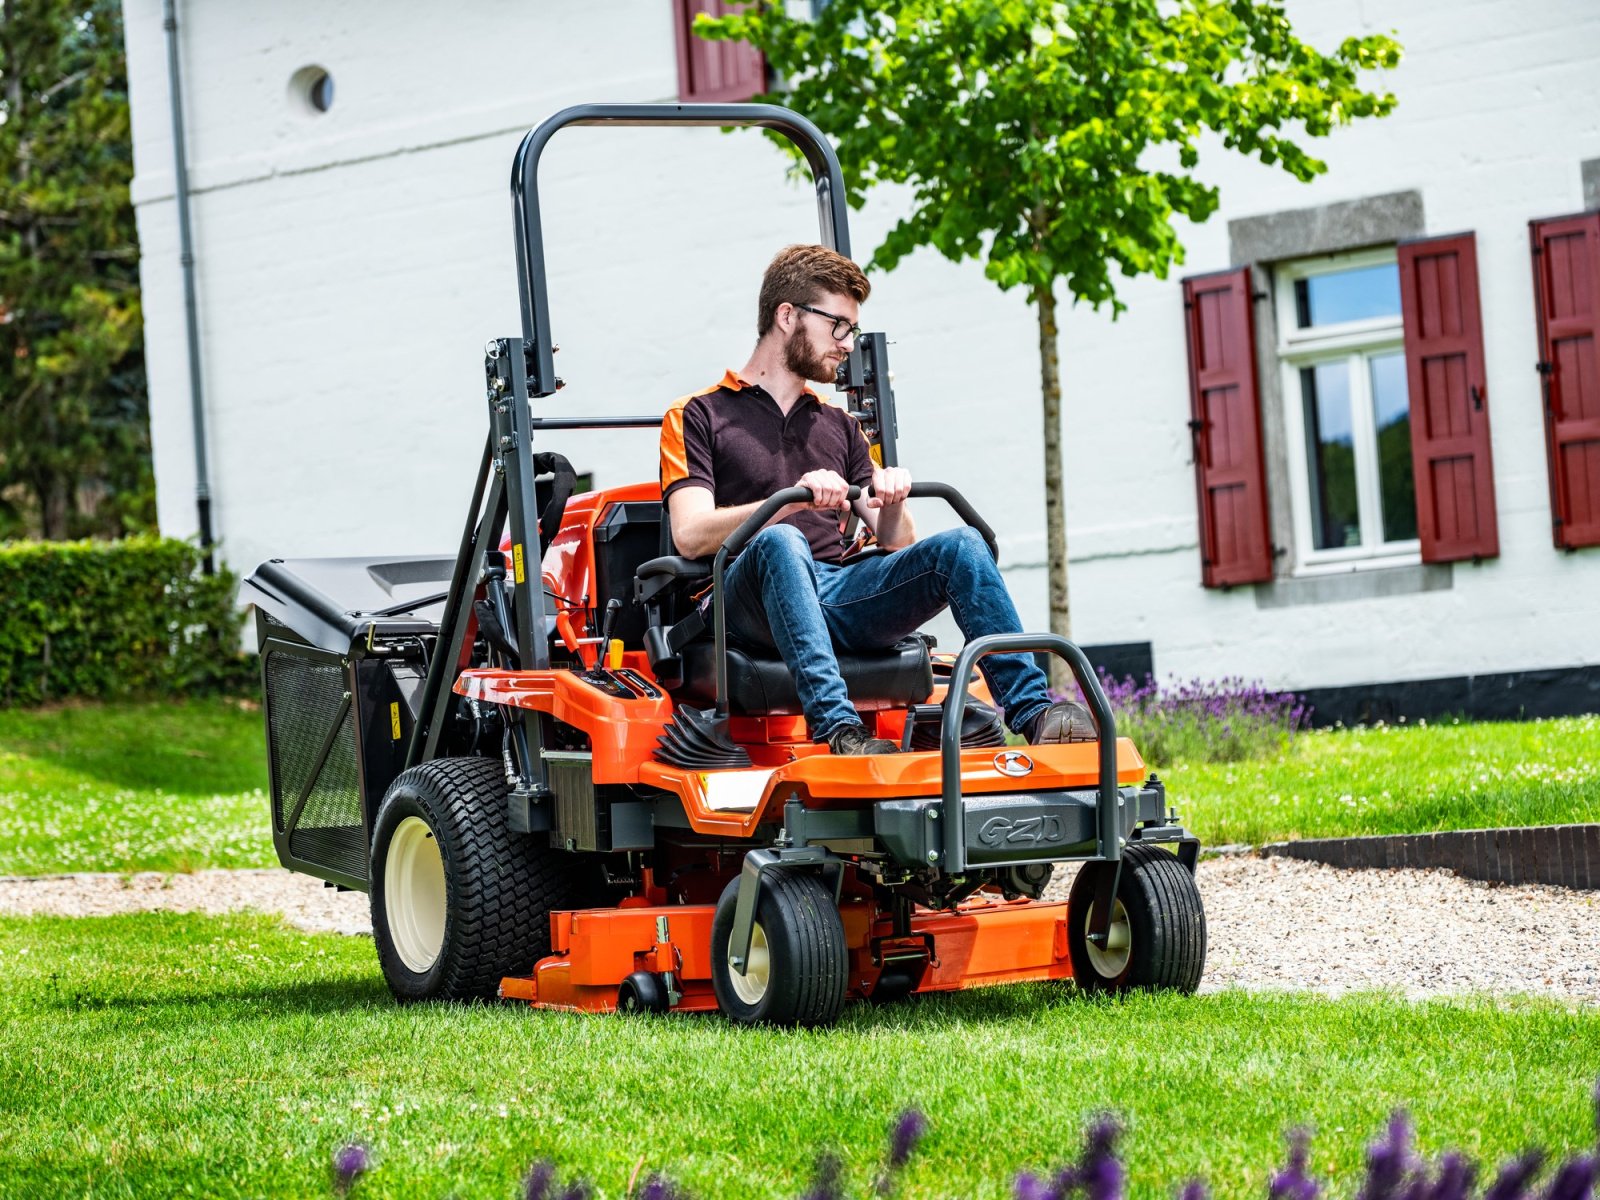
x=134 y=787
x=1398 y=779
x=147 y=1054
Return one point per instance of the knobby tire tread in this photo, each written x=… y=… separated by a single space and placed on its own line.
x=507 y=885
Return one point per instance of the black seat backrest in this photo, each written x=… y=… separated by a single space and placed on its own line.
x=628 y=535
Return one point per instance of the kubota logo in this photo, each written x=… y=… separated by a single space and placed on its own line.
x=1013 y=762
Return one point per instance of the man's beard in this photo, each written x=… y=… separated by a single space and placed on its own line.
x=801 y=358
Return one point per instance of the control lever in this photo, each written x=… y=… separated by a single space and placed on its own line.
x=599 y=676
x=613 y=607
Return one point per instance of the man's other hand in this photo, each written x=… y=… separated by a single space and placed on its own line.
x=828 y=489
x=890 y=485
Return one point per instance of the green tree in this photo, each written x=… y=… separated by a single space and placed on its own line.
x=1056 y=141
x=74 y=423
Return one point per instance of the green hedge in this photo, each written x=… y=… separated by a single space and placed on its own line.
x=88 y=619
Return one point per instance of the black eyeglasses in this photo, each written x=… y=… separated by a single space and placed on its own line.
x=843 y=327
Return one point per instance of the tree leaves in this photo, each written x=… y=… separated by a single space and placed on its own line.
x=1029 y=130
x=74 y=437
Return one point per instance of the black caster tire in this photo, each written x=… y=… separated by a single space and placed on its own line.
x=1157 y=940
x=458 y=900
x=799 y=964
x=641 y=993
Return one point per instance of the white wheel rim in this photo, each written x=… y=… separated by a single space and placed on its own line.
x=752 y=985
x=414 y=894
x=1110 y=960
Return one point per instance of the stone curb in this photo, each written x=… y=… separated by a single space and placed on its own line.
x=1561 y=855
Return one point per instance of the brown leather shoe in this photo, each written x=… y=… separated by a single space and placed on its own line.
x=854 y=739
x=1063 y=721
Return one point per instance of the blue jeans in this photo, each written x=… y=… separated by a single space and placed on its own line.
x=781 y=598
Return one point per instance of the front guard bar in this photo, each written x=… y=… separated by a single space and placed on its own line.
x=1108 y=833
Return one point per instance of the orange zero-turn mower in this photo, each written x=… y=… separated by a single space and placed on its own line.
x=562 y=784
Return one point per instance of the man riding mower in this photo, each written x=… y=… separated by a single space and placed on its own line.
x=562 y=781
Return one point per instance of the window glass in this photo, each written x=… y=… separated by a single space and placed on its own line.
x=1330 y=455
x=1391 y=412
x=1340 y=296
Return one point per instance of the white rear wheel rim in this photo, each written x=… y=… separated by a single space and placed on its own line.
x=414 y=894
x=1110 y=960
x=752 y=985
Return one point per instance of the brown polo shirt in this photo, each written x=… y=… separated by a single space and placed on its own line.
x=734 y=441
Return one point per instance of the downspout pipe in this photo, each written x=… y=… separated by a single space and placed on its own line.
x=202 y=475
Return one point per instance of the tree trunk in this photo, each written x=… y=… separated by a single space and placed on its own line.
x=1055 y=506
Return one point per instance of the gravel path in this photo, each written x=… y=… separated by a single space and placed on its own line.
x=1274 y=924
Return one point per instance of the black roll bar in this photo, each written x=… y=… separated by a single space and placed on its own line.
x=819 y=154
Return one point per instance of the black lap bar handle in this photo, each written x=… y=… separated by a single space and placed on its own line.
x=757 y=521
x=1108 y=824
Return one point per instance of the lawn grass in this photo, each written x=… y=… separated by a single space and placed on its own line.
x=1398 y=779
x=180 y=786
x=134 y=787
x=162 y=1054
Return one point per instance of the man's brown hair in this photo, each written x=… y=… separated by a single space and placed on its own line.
x=801 y=274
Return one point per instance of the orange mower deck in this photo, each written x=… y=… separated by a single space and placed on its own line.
x=985 y=941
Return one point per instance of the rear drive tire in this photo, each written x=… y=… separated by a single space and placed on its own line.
x=1157 y=939
x=458 y=900
x=799 y=963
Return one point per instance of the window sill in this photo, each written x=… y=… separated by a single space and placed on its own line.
x=1370 y=579
x=1344 y=566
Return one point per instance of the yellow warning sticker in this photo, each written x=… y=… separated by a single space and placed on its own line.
x=394 y=720
x=516 y=556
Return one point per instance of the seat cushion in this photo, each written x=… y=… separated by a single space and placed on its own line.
x=760 y=684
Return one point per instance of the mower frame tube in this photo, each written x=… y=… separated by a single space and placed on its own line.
x=531 y=281
x=1108 y=824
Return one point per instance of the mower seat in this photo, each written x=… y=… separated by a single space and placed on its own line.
x=760 y=683
x=683 y=657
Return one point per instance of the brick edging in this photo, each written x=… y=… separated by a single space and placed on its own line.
x=1562 y=855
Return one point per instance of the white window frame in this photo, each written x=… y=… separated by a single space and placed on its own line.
x=1353 y=342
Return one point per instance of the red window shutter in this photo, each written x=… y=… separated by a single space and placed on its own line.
x=1449 y=399
x=1230 y=477
x=715 y=72
x=1566 y=275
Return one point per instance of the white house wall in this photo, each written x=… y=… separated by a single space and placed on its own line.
x=352 y=264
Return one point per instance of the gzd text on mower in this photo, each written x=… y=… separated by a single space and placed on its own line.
x=561 y=784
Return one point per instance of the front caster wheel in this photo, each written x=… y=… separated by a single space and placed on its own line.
x=1157 y=939
x=798 y=965
x=642 y=992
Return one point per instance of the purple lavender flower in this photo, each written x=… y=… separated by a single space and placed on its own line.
x=1028 y=1186
x=1573 y=1181
x=1294 y=1182
x=576 y=1191
x=1195 y=1189
x=1389 y=1160
x=1512 y=1181
x=1100 y=1174
x=536 y=1183
x=824 y=1179
x=1457 y=1174
x=908 y=1131
x=350 y=1163
x=657 y=1187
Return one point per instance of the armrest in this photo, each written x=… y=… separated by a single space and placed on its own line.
x=675 y=567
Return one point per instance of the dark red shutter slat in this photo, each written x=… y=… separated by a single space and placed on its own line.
x=1450 y=454
x=1566 y=272
x=1230 y=477
x=714 y=72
